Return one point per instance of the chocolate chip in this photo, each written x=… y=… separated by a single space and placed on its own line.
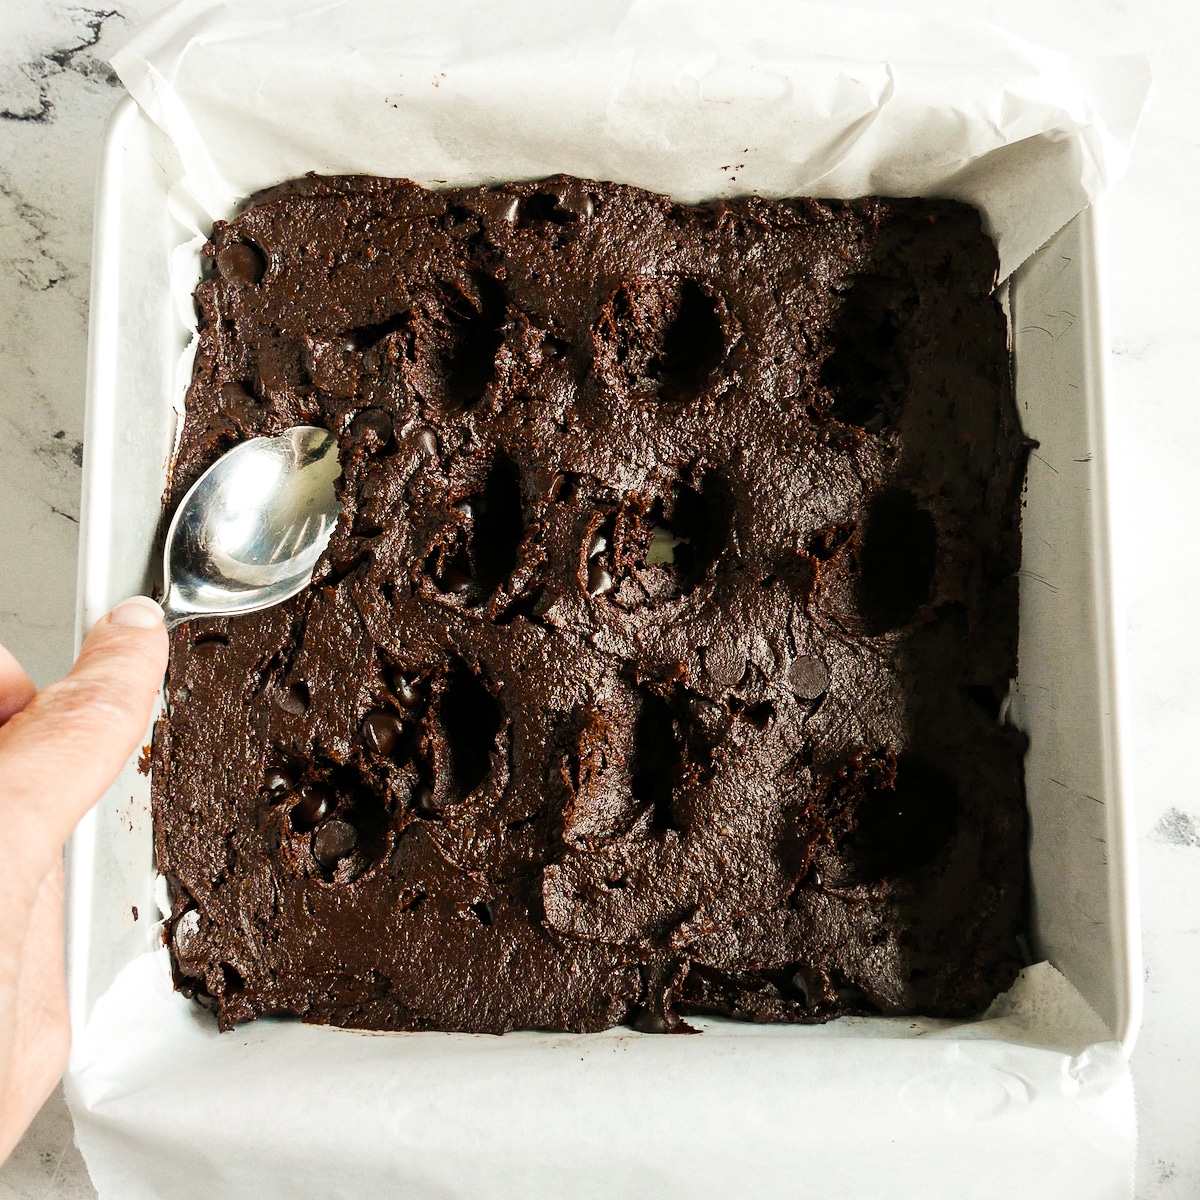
x=724 y=661
x=295 y=700
x=407 y=694
x=455 y=581
x=577 y=203
x=710 y=718
x=206 y=647
x=426 y=441
x=314 y=803
x=372 y=426
x=648 y=1021
x=237 y=401
x=808 y=677
x=370 y=360
x=381 y=731
x=563 y=487
x=815 y=877
x=801 y=988
x=422 y=800
x=241 y=264
x=279 y=780
x=599 y=580
x=333 y=841
x=185 y=932
x=597 y=544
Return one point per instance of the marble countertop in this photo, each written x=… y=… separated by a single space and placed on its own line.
x=56 y=92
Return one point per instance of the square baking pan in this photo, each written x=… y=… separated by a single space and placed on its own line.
x=1082 y=916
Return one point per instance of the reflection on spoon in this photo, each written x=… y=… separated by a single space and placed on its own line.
x=250 y=530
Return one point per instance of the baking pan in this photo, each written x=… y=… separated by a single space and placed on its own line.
x=1083 y=917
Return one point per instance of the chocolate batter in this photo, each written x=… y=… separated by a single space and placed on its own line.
x=655 y=666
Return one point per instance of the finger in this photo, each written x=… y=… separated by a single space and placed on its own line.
x=41 y=1032
x=16 y=688
x=59 y=754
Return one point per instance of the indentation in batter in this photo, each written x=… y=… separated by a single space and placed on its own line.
x=897 y=560
x=658 y=337
x=470 y=718
x=474 y=319
x=902 y=827
x=867 y=373
x=499 y=527
x=656 y=759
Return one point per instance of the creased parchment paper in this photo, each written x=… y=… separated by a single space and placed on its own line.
x=692 y=97
x=698 y=101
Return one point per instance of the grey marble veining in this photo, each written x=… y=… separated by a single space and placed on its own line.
x=56 y=92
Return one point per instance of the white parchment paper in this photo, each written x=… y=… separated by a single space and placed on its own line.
x=696 y=98
x=699 y=100
x=1030 y=1101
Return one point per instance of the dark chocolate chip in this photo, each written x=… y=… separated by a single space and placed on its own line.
x=279 y=780
x=800 y=987
x=372 y=426
x=295 y=700
x=407 y=693
x=874 y=423
x=333 y=841
x=454 y=580
x=815 y=877
x=577 y=202
x=426 y=441
x=185 y=933
x=808 y=677
x=724 y=661
x=599 y=580
x=241 y=264
x=648 y=1021
x=422 y=800
x=563 y=487
x=381 y=731
x=370 y=360
x=206 y=647
x=314 y=803
x=597 y=544
x=710 y=718
x=238 y=401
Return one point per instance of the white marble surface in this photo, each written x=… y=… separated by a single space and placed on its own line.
x=55 y=94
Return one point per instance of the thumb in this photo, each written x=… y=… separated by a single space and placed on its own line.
x=63 y=750
x=16 y=688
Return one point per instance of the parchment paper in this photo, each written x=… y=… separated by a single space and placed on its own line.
x=697 y=98
x=700 y=101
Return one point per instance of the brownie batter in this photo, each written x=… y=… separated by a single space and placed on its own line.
x=657 y=663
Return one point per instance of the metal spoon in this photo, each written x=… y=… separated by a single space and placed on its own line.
x=250 y=530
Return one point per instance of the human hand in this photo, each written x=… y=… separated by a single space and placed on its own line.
x=60 y=749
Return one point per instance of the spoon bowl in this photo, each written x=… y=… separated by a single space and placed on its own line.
x=250 y=530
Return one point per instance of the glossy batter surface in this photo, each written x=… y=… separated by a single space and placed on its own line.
x=656 y=663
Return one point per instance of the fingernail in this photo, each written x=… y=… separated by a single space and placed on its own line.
x=137 y=610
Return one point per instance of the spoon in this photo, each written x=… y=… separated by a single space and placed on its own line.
x=250 y=530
